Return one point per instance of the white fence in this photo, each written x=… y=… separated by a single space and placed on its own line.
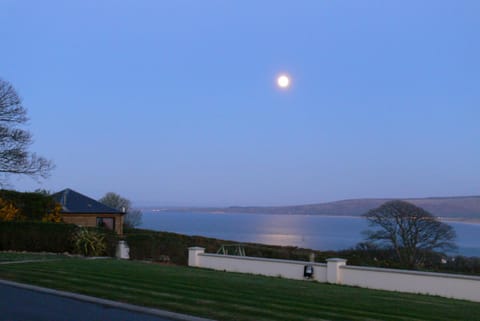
x=337 y=272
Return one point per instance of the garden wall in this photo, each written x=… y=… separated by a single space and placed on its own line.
x=337 y=272
x=245 y=264
x=442 y=284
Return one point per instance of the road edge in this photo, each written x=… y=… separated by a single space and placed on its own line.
x=106 y=302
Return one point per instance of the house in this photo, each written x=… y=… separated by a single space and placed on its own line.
x=85 y=211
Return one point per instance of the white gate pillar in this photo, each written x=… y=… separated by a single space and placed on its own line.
x=193 y=252
x=334 y=275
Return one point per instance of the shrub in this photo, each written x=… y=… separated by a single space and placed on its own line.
x=89 y=242
x=36 y=236
x=8 y=212
x=111 y=241
x=141 y=246
x=158 y=246
x=48 y=237
x=32 y=206
x=54 y=214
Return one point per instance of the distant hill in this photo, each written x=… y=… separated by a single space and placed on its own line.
x=448 y=207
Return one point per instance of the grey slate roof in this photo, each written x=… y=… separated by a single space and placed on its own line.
x=74 y=202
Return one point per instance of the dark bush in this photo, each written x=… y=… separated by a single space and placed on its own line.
x=33 y=206
x=141 y=246
x=151 y=245
x=466 y=264
x=36 y=236
x=46 y=237
x=111 y=241
x=156 y=246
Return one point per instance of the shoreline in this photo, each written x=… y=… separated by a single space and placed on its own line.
x=464 y=220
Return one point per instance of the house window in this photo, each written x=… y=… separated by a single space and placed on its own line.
x=106 y=222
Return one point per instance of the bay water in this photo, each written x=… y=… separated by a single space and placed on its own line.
x=307 y=231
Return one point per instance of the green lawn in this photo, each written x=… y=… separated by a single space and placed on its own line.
x=232 y=296
x=19 y=256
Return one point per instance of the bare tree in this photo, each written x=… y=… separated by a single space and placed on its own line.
x=409 y=230
x=133 y=217
x=15 y=141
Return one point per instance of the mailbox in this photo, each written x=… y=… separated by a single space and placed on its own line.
x=308 y=271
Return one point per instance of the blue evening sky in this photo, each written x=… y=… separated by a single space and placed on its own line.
x=174 y=102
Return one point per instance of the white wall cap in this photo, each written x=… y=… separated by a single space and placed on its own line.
x=262 y=259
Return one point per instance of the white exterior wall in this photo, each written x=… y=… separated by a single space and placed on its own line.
x=254 y=265
x=336 y=271
x=446 y=285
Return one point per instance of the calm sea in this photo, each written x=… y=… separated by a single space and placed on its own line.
x=308 y=231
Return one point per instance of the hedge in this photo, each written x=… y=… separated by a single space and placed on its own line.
x=172 y=247
x=158 y=247
x=34 y=236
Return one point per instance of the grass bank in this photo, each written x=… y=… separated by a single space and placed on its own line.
x=232 y=296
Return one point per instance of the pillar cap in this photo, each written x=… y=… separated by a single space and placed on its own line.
x=337 y=260
x=196 y=248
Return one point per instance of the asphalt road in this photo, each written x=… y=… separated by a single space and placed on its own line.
x=18 y=304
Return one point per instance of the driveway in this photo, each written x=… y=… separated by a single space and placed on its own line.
x=29 y=303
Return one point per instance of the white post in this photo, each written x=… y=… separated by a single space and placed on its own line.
x=193 y=252
x=333 y=270
x=123 y=251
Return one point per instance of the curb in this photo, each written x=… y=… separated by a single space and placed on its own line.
x=105 y=302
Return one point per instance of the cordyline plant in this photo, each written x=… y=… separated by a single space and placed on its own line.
x=89 y=243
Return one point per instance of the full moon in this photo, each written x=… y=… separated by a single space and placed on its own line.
x=283 y=81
